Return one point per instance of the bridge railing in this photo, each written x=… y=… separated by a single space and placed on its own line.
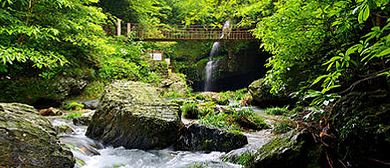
x=182 y=32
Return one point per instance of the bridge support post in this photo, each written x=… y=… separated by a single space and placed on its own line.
x=128 y=29
x=118 y=29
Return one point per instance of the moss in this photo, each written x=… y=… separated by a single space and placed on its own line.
x=27 y=130
x=246 y=159
x=72 y=105
x=139 y=113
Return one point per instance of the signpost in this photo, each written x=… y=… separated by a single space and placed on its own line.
x=157 y=55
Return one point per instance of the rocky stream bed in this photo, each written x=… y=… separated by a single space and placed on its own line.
x=135 y=127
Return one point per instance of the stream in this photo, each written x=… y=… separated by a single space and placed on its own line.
x=84 y=147
x=92 y=154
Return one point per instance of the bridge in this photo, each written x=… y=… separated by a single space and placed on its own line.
x=147 y=32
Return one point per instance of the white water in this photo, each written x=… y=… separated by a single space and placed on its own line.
x=211 y=64
x=83 y=147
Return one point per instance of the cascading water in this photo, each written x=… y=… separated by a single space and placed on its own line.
x=91 y=154
x=211 y=64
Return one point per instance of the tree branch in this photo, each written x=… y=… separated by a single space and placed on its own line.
x=370 y=76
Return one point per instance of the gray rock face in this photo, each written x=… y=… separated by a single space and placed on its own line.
x=134 y=115
x=89 y=104
x=29 y=140
x=260 y=92
x=196 y=137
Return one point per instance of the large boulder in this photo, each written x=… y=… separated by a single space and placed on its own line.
x=361 y=123
x=292 y=149
x=196 y=137
x=261 y=96
x=29 y=140
x=134 y=115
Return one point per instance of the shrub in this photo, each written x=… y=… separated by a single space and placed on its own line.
x=119 y=68
x=276 y=111
x=235 y=95
x=72 y=116
x=231 y=119
x=72 y=106
x=190 y=110
x=221 y=120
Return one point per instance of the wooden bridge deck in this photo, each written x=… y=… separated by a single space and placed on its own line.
x=183 y=33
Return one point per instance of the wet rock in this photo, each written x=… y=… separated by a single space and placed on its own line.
x=134 y=115
x=213 y=96
x=50 y=112
x=287 y=150
x=261 y=96
x=70 y=86
x=196 y=137
x=64 y=129
x=85 y=146
x=89 y=104
x=82 y=121
x=29 y=140
x=360 y=121
x=57 y=90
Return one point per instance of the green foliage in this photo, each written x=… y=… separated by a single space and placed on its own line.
x=190 y=110
x=221 y=120
x=283 y=127
x=72 y=105
x=231 y=119
x=93 y=90
x=245 y=159
x=235 y=95
x=213 y=97
x=49 y=40
x=27 y=90
x=327 y=44
x=118 y=68
x=320 y=99
x=276 y=111
x=73 y=115
x=48 y=34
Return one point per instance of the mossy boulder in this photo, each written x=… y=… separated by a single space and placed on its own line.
x=134 y=115
x=196 y=137
x=287 y=150
x=213 y=96
x=361 y=122
x=261 y=95
x=29 y=140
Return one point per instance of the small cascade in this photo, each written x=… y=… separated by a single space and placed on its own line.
x=211 y=64
x=91 y=154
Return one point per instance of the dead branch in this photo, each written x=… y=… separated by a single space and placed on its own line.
x=371 y=76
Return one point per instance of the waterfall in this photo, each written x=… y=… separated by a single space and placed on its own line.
x=211 y=64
